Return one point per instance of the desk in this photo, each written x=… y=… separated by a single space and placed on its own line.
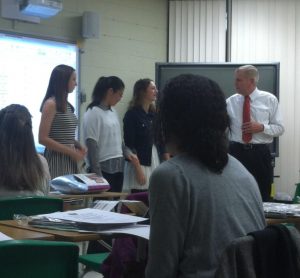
x=86 y=198
x=284 y=213
x=291 y=220
x=17 y=233
x=294 y=220
x=56 y=234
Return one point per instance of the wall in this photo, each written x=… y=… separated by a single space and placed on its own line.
x=133 y=36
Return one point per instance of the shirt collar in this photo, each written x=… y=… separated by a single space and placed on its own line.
x=254 y=94
x=104 y=107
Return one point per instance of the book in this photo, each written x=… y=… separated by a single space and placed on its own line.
x=137 y=207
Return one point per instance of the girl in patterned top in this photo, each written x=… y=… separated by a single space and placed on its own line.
x=58 y=124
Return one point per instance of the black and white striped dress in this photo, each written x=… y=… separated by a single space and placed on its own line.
x=63 y=131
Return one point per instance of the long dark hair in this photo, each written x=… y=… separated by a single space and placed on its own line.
x=192 y=114
x=102 y=86
x=58 y=87
x=20 y=166
x=139 y=91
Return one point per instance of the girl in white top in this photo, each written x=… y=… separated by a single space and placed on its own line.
x=102 y=132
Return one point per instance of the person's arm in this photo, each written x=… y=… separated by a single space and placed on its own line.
x=163 y=154
x=48 y=114
x=168 y=209
x=166 y=156
x=79 y=146
x=139 y=173
x=93 y=156
x=272 y=126
x=275 y=126
x=45 y=184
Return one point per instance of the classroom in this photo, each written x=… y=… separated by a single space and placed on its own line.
x=133 y=35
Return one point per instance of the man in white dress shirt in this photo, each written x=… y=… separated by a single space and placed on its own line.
x=249 y=140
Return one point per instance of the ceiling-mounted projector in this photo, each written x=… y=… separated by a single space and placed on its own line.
x=40 y=8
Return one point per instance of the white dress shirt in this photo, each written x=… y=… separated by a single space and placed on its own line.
x=264 y=109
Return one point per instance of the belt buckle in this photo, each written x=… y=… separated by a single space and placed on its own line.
x=248 y=146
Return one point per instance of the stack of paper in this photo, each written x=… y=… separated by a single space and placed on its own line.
x=280 y=210
x=88 y=219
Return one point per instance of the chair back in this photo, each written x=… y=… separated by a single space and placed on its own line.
x=37 y=258
x=271 y=252
x=138 y=196
x=28 y=206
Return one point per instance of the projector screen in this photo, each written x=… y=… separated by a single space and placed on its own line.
x=26 y=65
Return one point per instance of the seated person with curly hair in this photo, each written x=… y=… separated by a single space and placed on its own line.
x=202 y=198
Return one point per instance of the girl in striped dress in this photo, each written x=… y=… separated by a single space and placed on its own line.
x=58 y=124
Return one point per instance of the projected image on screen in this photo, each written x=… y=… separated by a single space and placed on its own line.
x=26 y=65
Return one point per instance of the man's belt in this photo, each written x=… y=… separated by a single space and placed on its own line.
x=248 y=146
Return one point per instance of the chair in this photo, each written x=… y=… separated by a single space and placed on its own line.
x=95 y=261
x=28 y=206
x=37 y=258
x=271 y=252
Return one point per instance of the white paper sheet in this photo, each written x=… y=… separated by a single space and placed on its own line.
x=136 y=230
x=105 y=205
x=4 y=237
x=94 y=216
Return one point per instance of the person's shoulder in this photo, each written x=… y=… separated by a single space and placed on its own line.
x=132 y=112
x=164 y=174
x=45 y=166
x=92 y=111
x=49 y=107
x=266 y=94
x=232 y=161
x=165 y=167
x=50 y=103
x=171 y=167
x=233 y=97
x=235 y=166
x=42 y=158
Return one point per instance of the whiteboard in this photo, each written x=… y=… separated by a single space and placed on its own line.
x=223 y=74
x=26 y=65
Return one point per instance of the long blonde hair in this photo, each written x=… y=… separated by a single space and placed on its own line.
x=139 y=91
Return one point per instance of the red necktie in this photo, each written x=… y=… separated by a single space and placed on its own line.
x=246 y=118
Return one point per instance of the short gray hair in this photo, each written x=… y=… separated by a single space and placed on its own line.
x=250 y=72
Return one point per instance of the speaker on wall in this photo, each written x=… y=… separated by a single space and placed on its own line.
x=90 y=25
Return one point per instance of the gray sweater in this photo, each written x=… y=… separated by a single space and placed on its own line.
x=195 y=214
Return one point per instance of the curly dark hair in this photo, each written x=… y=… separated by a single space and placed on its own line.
x=192 y=114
